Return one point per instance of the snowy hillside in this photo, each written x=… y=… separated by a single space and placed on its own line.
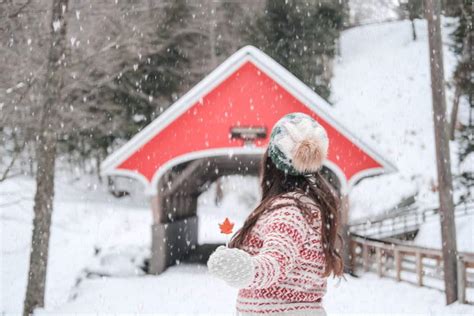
x=381 y=91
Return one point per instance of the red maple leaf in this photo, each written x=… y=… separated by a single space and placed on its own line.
x=226 y=227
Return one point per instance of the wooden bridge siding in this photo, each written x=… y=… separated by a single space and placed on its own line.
x=363 y=250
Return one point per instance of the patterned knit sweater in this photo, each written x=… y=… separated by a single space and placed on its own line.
x=289 y=263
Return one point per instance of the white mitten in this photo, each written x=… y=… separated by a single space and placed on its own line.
x=232 y=265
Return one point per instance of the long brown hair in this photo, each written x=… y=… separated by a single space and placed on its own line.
x=275 y=183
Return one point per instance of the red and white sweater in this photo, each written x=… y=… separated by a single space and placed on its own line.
x=289 y=263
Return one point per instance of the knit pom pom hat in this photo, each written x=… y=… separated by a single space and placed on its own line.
x=298 y=144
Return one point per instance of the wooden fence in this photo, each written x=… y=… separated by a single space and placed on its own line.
x=418 y=265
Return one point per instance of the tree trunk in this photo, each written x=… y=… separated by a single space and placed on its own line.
x=454 y=113
x=31 y=159
x=212 y=33
x=46 y=154
x=413 y=29
x=219 y=192
x=445 y=184
x=98 y=161
x=345 y=234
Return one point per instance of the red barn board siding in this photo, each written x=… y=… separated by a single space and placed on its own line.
x=247 y=97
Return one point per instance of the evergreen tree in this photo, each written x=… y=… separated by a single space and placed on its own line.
x=301 y=36
x=229 y=27
x=158 y=76
x=140 y=86
x=463 y=78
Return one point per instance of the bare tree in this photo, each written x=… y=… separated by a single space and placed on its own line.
x=46 y=155
x=94 y=65
x=107 y=42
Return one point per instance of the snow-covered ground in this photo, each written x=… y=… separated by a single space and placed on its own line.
x=85 y=219
x=189 y=289
x=381 y=90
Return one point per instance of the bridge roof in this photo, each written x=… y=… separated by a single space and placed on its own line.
x=248 y=89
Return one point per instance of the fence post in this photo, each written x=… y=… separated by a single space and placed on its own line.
x=438 y=265
x=365 y=257
x=461 y=281
x=378 y=253
x=353 y=254
x=419 y=268
x=398 y=264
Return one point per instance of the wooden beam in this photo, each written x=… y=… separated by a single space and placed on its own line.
x=184 y=175
x=353 y=255
x=398 y=257
x=156 y=208
x=345 y=233
x=378 y=253
x=461 y=281
x=419 y=268
x=365 y=257
x=443 y=160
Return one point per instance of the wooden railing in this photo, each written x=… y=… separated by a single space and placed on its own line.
x=465 y=262
x=410 y=263
x=402 y=221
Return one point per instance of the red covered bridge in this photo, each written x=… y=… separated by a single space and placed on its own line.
x=221 y=127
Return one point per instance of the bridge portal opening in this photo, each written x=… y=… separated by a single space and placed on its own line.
x=187 y=210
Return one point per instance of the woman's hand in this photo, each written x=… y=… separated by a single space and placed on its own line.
x=232 y=265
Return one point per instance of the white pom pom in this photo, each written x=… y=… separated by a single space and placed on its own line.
x=309 y=153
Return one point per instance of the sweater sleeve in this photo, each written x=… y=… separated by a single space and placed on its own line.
x=284 y=231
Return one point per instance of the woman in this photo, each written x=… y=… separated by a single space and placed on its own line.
x=288 y=246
